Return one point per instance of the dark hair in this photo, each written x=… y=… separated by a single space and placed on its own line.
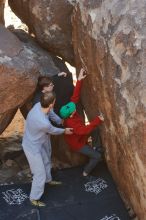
x=43 y=81
x=47 y=98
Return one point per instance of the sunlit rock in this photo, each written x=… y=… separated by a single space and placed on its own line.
x=110 y=42
x=50 y=21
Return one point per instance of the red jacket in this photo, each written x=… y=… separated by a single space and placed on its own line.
x=80 y=131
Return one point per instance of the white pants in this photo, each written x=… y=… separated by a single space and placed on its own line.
x=40 y=165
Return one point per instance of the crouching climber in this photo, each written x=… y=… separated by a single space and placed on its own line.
x=78 y=140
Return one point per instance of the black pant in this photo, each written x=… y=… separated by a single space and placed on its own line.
x=96 y=139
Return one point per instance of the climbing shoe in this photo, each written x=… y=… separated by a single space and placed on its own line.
x=37 y=203
x=55 y=183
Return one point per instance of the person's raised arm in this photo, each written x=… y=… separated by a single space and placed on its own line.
x=76 y=94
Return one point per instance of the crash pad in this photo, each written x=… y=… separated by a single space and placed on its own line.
x=94 y=197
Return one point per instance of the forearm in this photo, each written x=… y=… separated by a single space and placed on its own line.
x=76 y=94
x=54 y=130
x=86 y=129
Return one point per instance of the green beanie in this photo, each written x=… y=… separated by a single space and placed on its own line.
x=67 y=110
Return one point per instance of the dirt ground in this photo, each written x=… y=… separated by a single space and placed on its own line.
x=13 y=133
x=13 y=164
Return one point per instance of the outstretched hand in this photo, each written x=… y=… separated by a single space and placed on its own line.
x=101 y=117
x=62 y=74
x=82 y=74
x=68 y=131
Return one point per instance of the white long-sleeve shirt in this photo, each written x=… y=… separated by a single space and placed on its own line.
x=38 y=129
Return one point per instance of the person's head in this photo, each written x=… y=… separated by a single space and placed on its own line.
x=67 y=110
x=48 y=100
x=45 y=84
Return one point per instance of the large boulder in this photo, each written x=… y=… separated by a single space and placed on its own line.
x=50 y=21
x=110 y=42
x=20 y=66
x=18 y=72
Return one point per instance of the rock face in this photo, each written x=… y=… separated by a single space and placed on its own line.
x=50 y=21
x=20 y=66
x=110 y=41
x=2 y=5
x=17 y=72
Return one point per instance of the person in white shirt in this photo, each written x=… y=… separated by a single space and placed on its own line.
x=37 y=146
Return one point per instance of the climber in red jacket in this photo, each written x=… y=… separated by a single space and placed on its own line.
x=78 y=140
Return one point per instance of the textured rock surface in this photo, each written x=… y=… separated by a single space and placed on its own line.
x=17 y=72
x=110 y=41
x=50 y=21
x=20 y=65
x=2 y=5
